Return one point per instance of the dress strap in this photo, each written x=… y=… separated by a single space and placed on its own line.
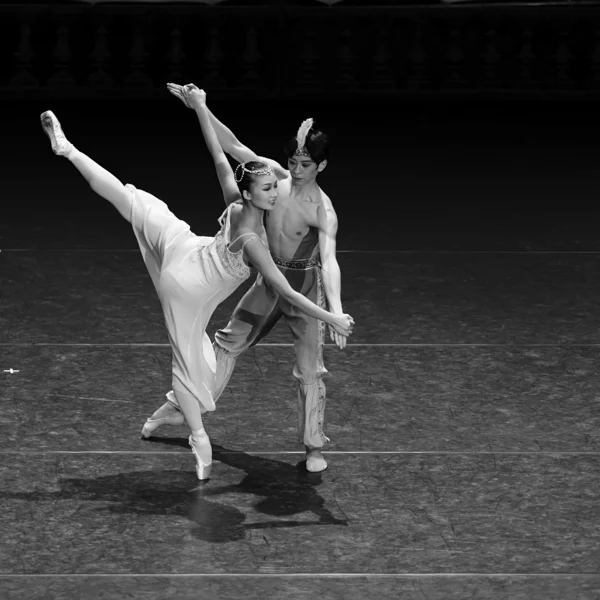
x=253 y=235
x=249 y=239
x=240 y=237
x=225 y=219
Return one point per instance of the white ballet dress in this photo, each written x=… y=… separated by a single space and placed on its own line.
x=192 y=275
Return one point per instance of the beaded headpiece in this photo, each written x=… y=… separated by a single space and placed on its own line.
x=301 y=137
x=266 y=170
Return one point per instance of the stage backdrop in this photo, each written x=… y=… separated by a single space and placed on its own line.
x=293 y=49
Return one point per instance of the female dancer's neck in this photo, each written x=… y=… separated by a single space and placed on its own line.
x=252 y=215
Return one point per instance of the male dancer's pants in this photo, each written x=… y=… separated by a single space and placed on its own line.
x=255 y=315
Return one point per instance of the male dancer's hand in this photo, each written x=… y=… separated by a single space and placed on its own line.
x=340 y=334
x=337 y=338
x=342 y=324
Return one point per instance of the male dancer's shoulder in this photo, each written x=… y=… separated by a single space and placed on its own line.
x=318 y=196
x=312 y=199
x=326 y=217
x=325 y=200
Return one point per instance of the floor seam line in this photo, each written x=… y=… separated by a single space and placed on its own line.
x=388 y=251
x=302 y=452
x=299 y=575
x=290 y=345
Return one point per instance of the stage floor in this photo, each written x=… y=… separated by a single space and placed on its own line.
x=463 y=414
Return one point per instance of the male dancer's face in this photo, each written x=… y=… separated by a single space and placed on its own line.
x=263 y=192
x=304 y=169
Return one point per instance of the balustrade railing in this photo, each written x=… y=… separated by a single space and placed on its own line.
x=283 y=50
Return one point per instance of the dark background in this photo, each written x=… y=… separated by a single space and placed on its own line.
x=465 y=126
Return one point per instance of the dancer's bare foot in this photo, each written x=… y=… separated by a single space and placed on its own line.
x=315 y=463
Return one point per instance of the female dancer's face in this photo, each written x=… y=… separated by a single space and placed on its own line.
x=263 y=192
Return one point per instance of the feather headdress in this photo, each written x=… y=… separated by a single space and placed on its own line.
x=303 y=130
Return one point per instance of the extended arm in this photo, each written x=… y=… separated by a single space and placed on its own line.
x=330 y=269
x=259 y=256
x=197 y=100
x=228 y=141
x=239 y=151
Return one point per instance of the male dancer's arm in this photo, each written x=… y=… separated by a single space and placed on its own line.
x=229 y=141
x=330 y=269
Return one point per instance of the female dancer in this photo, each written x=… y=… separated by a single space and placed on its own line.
x=194 y=274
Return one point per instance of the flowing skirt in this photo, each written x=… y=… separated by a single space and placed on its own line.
x=189 y=288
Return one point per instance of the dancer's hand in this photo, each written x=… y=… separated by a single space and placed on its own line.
x=177 y=91
x=189 y=94
x=337 y=339
x=343 y=324
x=194 y=96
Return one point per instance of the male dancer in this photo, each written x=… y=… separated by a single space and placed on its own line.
x=301 y=230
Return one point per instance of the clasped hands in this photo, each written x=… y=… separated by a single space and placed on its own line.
x=191 y=95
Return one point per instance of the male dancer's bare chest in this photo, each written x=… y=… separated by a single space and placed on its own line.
x=291 y=229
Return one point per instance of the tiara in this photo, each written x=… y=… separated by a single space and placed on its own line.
x=267 y=170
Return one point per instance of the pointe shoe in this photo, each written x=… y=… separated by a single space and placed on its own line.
x=203 y=469
x=60 y=145
x=174 y=418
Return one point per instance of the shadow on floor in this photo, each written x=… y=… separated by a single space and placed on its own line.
x=284 y=489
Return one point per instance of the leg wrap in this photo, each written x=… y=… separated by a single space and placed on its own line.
x=309 y=368
x=311 y=410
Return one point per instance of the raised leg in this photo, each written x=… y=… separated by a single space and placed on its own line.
x=103 y=182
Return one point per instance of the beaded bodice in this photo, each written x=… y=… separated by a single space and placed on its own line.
x=233 y=262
